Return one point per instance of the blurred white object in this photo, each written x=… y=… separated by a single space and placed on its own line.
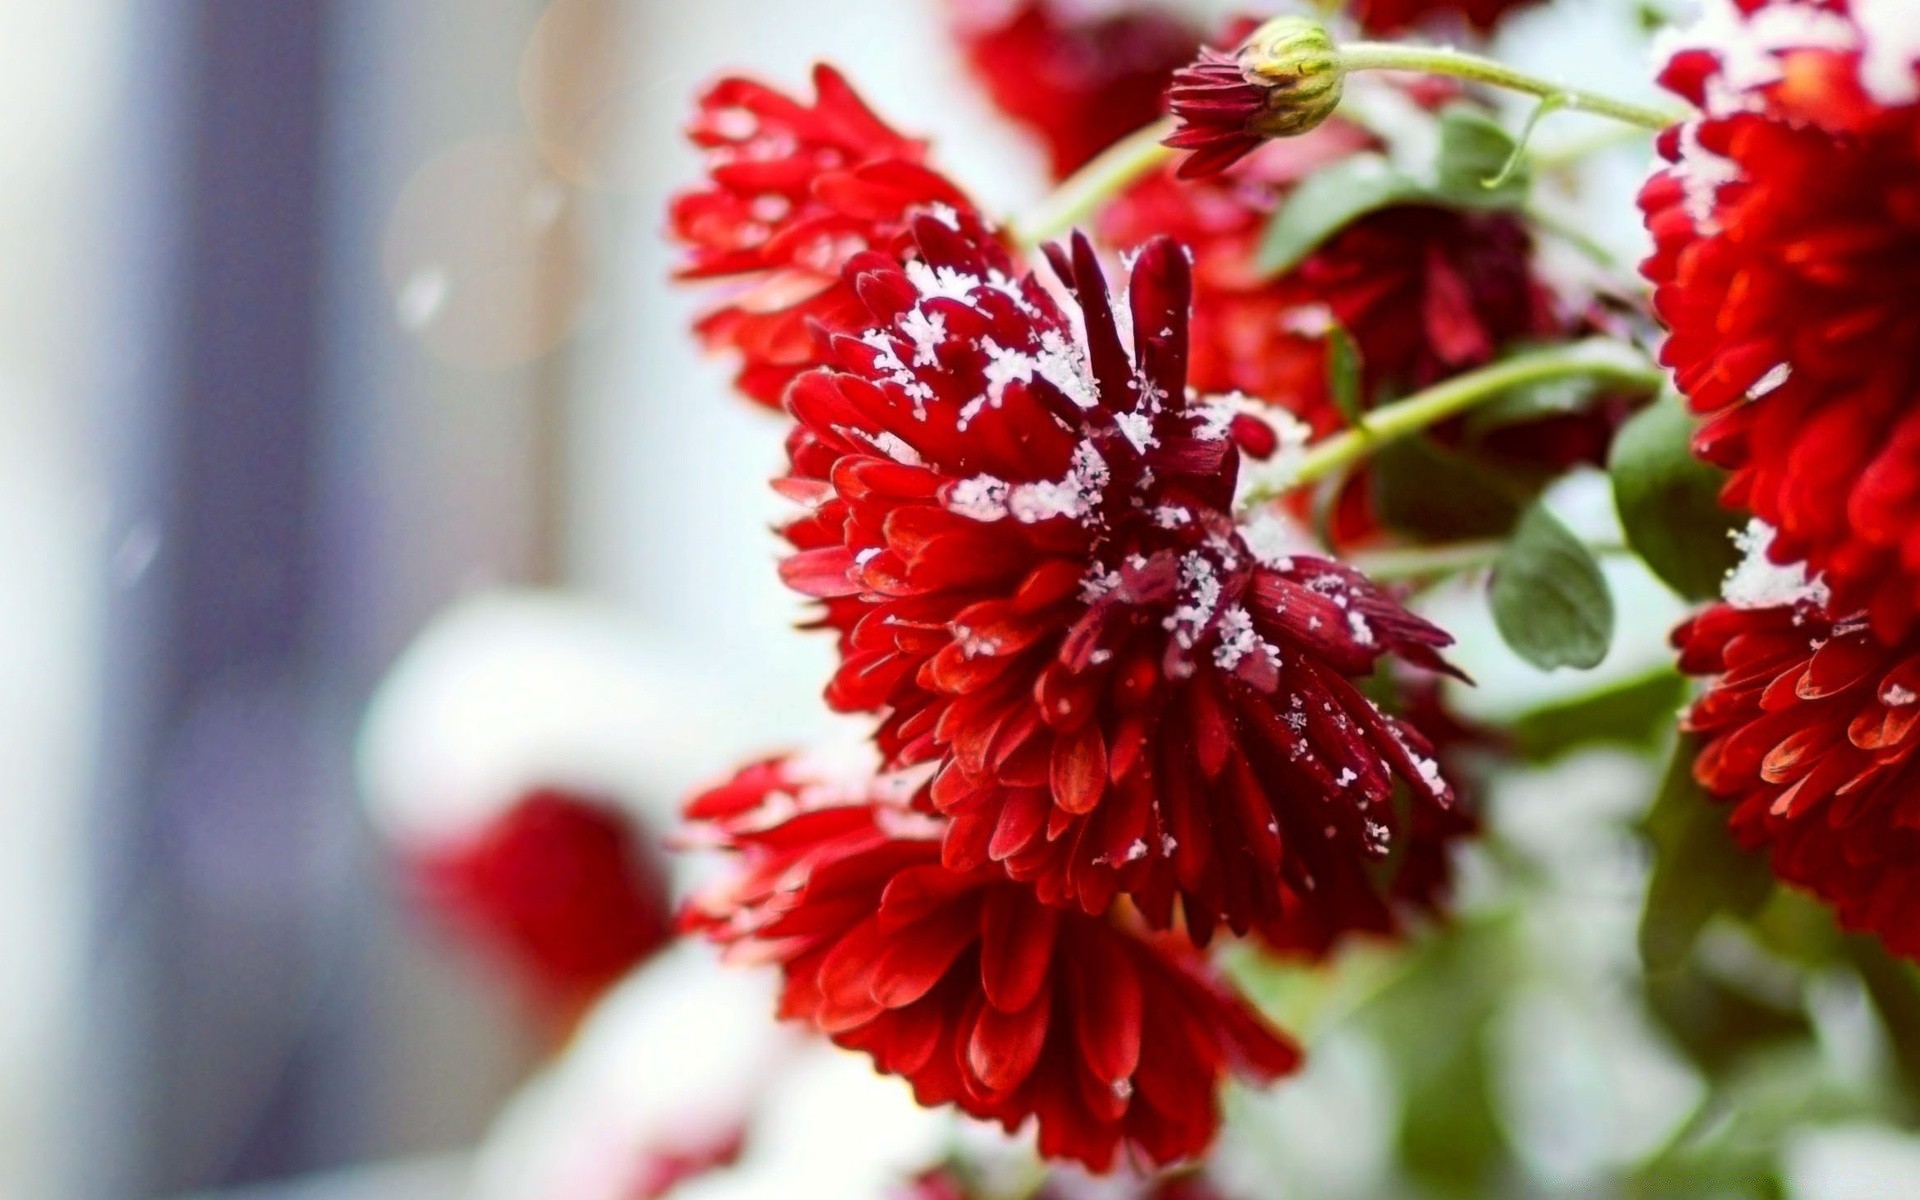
x=672 y=1060
x=683 y=1052
x=510 y=691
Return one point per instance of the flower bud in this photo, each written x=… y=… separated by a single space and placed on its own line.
x=1283 y=80
x=1297 y=61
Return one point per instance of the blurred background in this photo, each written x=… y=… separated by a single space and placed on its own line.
x=330 y=328
x=316 y=317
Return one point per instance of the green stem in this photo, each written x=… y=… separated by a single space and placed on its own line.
x=1075 y=200
x=1419 y=562
x=1598 y=357
x=1424 y=562
x=1557 y=226
x=1389 y=56
x=1574 y=150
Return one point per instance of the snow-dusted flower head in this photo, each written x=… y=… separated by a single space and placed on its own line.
x=1787 y=267
x=1809 y=728
x=1021 y=522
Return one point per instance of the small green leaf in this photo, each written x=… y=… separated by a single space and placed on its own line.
x=1343 y=374
x=1631 y=712
x=1698 y=869
x=1550 y=601
x=1478 y=165
x=1425 y=489
x=1326 y=202
x=1669 y=501
x=1517 y=161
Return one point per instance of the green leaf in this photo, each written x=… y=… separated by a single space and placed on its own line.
x=1698 y=869
x=1449 y=1135
x=1894 y=987
x=1734 y=1147
x=1326 y=202
x=1343 y=374
x=1630 y=712
x=1478 y=165
x=1669 y=501
x=1534 y=402
x=1717 y=1023
x=1550 y=601
x=1428 y=490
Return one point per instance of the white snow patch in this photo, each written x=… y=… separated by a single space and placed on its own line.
x=1892 y=32
x=1759 y=582
x=1771 y=381
x=927 y=332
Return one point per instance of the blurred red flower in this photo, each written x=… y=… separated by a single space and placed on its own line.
x=564 y=886
x=1081 y=77
x=1398 y=16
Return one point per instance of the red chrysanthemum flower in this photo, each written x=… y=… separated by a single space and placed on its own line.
x=563 y=886
x=792 y=192
x=1810 y=726
x=1787 y=266
x=1080 y=79
x=963 y=983
x=1022 y=519
x=1424 y=293
x=1398 y=16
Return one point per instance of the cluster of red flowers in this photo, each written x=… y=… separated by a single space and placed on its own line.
x=1787 y=267
x=1113 y=715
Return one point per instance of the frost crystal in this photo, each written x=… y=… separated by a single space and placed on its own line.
x=927 y=333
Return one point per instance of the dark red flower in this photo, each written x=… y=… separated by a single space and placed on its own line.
x=964 y=984
x=792 y=192
x=1398 y=16
x=1023 y=519
x=1080 y=79
x=1809 y=730
x=564 y=886
x=1786 y=264
x=1282 y=81
x=1423 y=292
